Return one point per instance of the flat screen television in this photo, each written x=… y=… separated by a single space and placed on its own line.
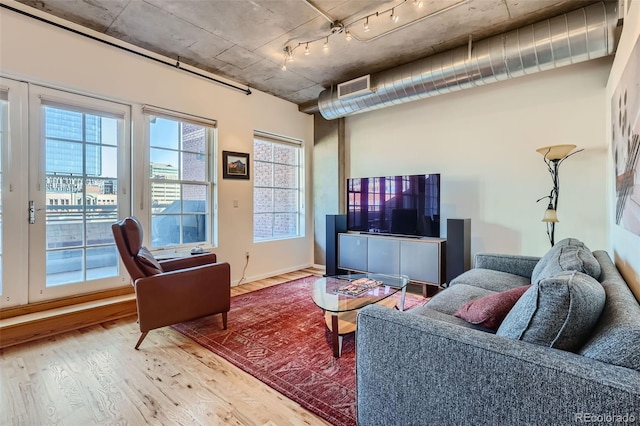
x=397 y=205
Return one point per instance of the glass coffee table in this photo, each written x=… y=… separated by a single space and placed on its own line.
x=341 y=297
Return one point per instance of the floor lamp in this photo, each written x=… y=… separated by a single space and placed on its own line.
x=554 y=156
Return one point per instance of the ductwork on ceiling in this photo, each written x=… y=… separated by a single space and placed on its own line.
x=577 y=36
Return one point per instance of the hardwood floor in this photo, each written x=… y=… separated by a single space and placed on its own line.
x=94 y=376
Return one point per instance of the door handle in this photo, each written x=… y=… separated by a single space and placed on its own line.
x=32 y=212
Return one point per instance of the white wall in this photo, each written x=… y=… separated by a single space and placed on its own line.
x=483 y=142
x=42 y=53
x=625 y=245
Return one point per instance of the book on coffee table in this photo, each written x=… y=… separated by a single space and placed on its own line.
x=367 y=282
x=359 y=286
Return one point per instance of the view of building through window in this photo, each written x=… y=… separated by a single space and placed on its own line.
x=180 y=183
x=276 y=189
x=81 y=195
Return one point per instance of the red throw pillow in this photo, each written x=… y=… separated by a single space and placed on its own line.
x=148 y=263
x=489 y=311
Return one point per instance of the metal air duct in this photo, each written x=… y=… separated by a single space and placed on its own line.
x=577 y=36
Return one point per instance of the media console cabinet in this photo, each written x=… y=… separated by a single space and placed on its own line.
x=421 y=259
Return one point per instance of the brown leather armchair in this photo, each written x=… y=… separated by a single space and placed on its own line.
x=171 y=291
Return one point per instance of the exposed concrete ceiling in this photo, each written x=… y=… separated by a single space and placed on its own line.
x=243 y=40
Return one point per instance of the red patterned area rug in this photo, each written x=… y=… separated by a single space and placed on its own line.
x=278 y=335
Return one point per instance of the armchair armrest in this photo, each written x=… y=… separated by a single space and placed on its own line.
x=188 y=261
x=177 y=296
x=513 y=264
x=418 y=370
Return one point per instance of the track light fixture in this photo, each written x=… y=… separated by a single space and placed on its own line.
x=338 y=27
x=288 y=57
x=288 y=54
x=394 y=17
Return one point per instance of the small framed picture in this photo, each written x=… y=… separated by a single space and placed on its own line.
x=235 y=165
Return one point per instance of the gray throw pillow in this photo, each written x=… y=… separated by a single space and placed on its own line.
x=558 y=312
x=567 y=255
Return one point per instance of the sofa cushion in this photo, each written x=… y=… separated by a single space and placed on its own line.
x=616 y=338
x=489 y=311
x=558 y=312
x=451 y=299
x=148 y=263
x=425 y=311
x=567 y=255
x=489 y=279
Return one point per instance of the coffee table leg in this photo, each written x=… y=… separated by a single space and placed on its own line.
x=404 y=293
x=335 y=336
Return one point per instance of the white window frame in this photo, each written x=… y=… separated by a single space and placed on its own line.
x=297 y=143
x=148 y=112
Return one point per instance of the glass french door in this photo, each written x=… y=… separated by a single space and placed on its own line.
x=77 y=189
x=13 y=190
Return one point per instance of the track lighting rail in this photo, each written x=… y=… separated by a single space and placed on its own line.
x=339 y=27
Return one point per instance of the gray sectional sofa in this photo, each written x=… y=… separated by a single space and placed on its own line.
x=567 y=351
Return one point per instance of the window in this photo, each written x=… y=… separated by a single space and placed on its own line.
x=277 y=200
x=81 y=153
x=180 y=174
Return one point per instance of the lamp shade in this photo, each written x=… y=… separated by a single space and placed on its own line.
x=556 y=152
x=550 y=215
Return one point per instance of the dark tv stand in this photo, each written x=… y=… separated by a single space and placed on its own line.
x=422 y=259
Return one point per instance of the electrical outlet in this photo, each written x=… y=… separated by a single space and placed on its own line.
x=246 y=254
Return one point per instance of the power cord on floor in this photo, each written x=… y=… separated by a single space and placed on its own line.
x=244 y=269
